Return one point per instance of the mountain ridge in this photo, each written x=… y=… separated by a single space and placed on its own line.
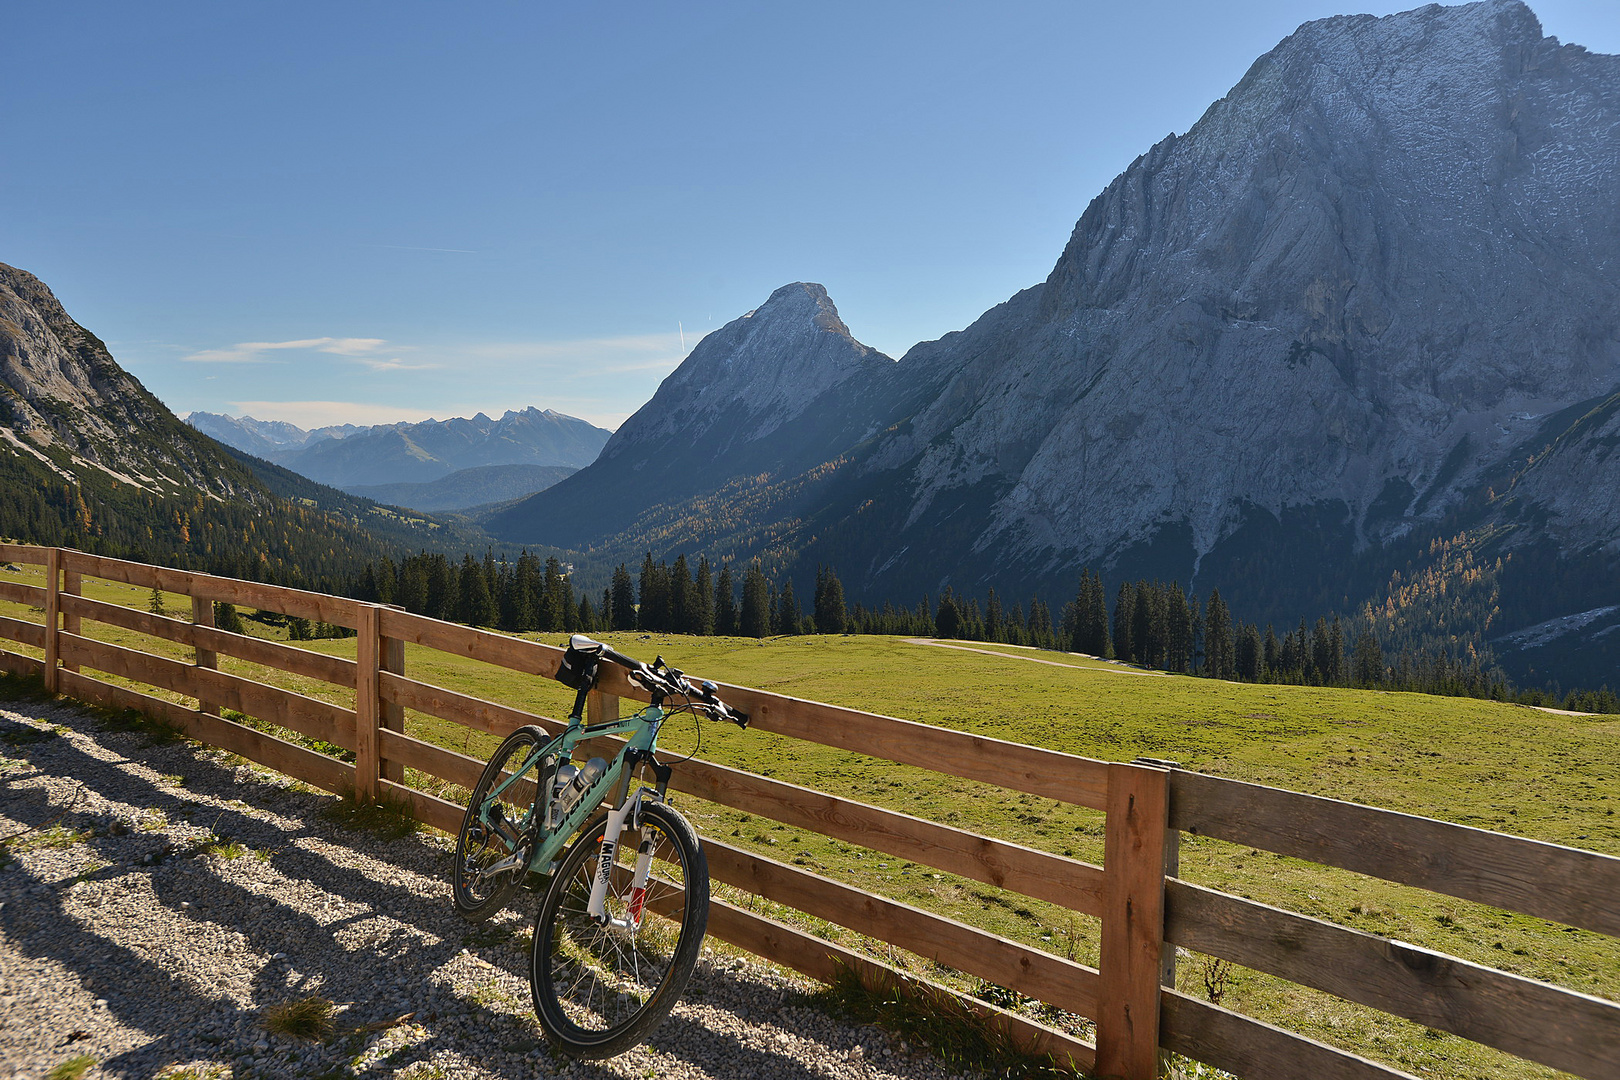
x=1282 y=350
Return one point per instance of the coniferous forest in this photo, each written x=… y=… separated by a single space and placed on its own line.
x=1148 y=623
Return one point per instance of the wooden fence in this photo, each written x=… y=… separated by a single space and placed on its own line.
x=1145 y=910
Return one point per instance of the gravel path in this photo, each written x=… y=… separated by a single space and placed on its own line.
x=132 y=933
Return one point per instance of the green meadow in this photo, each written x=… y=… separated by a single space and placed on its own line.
x=1502 y=767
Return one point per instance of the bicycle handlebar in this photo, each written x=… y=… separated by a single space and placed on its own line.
x=660 y=680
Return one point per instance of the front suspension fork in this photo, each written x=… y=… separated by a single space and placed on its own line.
x=597 y=906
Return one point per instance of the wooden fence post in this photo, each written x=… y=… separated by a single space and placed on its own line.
x=367 y=759
x=601 y=707
x=73 y=584
x=202 y=614
x=391 y=658
x=1133 y=922
x=53 y=606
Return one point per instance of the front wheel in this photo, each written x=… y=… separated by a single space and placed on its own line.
x=599 y=988
x=496 y=835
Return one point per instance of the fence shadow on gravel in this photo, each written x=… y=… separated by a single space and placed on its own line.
x=193 y=890
x=1144 y=909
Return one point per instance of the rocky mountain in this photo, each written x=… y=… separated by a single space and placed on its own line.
x=90 y=459
x=351 y=458
x=781 y=390
x=70 y=409
x=1368 y=299
x=263 y=438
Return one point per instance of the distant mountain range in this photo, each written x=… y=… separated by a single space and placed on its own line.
x=518 y=454
x=90 y=459
x=1365 y=306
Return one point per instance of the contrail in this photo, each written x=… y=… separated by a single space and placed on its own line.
x=682 y=329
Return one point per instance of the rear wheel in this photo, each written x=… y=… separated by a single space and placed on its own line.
x=496 y=838
x=600 y=988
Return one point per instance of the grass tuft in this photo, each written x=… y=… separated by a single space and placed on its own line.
x=940 y=1021
x=71 y=1069
x=386 y=819
x=307 y=1018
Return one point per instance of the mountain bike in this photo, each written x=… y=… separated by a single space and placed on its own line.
x=619 y=930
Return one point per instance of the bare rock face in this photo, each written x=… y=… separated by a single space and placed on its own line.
x=780 y=390
x=1371 y=296
x=65 y=401
x=766 y=368
x=1361 y=279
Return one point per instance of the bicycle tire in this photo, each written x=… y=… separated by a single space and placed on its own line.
x=599 y=990
x=477 y=847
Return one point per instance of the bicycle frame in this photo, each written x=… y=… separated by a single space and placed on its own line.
x=642 y=730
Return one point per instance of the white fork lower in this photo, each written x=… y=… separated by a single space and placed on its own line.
x=597 y=906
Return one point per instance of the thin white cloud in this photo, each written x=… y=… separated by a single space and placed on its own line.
x=249 y=352
x=396 y=364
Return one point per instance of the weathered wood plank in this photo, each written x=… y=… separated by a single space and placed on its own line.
x=313 y=665
x=72 y=582
x=318 y=607
x=1074 y=884
x=18 y=664
x=53 y=602
x=1255 y=1050
x=431 y=759
x=1567 y=1030
x=324 y=772
x=487 y=716
x=202 y=615
x=391 y=658
x=19 y=630
x=308 y=716
x=367 y=710
x=530 y=657
x=1047 y=773
x=18 y=593
x=823 y=960
x=1132 y=946
x=28 y=554
x=1008 y=963
x=1567 y=885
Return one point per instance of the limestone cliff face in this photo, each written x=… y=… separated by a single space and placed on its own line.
x=1363 y=277
x=64 y=400
x=1370 y=295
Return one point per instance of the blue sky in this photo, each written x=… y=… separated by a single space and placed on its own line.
x=367 y=212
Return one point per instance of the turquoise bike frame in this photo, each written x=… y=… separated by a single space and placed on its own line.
x=642 y=729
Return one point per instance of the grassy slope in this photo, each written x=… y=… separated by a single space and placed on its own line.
x=1478 y=763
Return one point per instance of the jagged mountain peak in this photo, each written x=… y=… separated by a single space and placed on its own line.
x=764 y=368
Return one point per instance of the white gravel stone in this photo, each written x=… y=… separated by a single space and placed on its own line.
x=126 y=936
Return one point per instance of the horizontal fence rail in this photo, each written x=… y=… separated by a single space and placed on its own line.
x=1146 y=911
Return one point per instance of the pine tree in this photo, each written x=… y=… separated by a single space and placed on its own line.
x=756 y=604
x=703 y=602
x=475 y=606
x=1219 y=658
x=624 y=599
x=948 y=619
x=1367 y=660
x=1251 y=653
x=832 y=616
x=725 y=604
x=787 y=610
x=1124 y=615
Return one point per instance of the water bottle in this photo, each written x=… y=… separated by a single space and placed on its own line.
x=573 y=788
